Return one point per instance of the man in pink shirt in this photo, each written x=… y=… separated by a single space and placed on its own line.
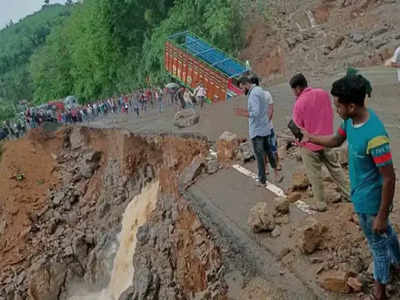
x=313 y=113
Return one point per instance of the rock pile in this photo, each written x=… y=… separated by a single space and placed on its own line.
x=186 y=118
x=175 y=257
x=311 y=236
x=266 y=218
x=227 y=146
x=230 y=148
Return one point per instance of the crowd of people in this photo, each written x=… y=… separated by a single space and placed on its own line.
x=138 y=102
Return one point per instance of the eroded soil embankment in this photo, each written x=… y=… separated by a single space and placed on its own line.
x=63 y=198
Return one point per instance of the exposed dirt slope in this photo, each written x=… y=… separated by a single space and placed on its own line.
x=61 y=219
x=320 y=37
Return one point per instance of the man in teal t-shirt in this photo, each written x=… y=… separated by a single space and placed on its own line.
x=372 y=176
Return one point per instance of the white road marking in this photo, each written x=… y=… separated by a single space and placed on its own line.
x=304 y=207
x=269 y=186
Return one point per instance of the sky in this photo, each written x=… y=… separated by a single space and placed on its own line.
x=17 y=9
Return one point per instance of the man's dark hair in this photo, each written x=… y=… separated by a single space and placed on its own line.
x=350 y=89
x=255 y=80
x=244 y=80
x=368 y=87
x=298 y=80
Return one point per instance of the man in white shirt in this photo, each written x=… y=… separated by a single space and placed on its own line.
x=395 y=62
x=272 y=138
x=200 y=94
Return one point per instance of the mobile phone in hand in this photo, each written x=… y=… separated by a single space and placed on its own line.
x=296 y=131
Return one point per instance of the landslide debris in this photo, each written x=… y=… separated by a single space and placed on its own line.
x=60 y=223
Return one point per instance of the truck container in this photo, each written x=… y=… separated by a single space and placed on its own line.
x=192 y=61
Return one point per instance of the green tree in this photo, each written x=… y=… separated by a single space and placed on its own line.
x=18 y=43
x=50 y=69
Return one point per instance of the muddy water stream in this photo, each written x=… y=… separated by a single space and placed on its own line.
x=136 y=214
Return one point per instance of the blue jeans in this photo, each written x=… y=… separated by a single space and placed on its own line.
x=261 y=147
x=384 y=247
x=273 y=142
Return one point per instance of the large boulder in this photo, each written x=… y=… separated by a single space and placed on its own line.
x=227 y=146
x=46 y=283
x=245 y=152
x=186 y=118
x=261 y=218
x=281 y=206
x=311 y=236
x=335 y=281
x=90 y=163
x=212 y=166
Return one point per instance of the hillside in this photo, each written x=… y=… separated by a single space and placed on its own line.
x=321 y=37
x=17 y=44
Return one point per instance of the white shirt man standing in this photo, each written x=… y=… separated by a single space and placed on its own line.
x=200 y=94
x=272 y=138
x=259 y=127
x=395 y=62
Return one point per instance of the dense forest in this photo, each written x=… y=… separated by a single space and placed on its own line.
x=98 y=48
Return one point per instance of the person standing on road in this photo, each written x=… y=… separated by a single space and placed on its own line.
x=159 y=97
x=179 y=98
x=395 y=62
x=200 y=94
x=187 y=98
x=273 y=139
x=136 y=106
x=313 y=112
x=372 y=175
x=259 y=127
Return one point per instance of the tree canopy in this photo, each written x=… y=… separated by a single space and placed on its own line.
x=18 y=42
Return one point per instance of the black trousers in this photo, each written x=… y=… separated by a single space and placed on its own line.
x=261 y=148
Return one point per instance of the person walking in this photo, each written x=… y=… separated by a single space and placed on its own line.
x=372 y=175
x=159 y=97
x=313 y=112
x=259 y=127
